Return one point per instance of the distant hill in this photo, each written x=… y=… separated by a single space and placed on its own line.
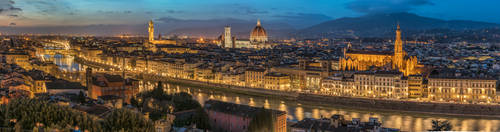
x=383 y=25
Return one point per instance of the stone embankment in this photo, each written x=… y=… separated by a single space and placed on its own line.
x=406 y=106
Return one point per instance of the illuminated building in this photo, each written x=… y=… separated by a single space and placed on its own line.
x=398 y=60
x=381 y=84
x=151 y=37
x=457 y=89
x=254 y=77
x=307 y=76
x=258 y=39
x=36 y=81
x=228 y=39
x=258 y=34
x=21 y=59
x=174 y=49
x=235 y=79
x=276 y=81
x=337 y=86
x=105 y=84
x=204 y=73
x=415 y=86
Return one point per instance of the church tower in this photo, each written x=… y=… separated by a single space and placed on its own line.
x=228 y=41
x=398 y=50
x=151 y=30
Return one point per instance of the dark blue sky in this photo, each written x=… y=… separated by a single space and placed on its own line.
x=86 y=12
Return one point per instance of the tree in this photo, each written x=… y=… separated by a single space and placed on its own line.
x=126 y=120
x=263 y=121
x=198 y=117
x=29 y=112
x=438 y=125
x=181 y=101
x=81 y=97
x=134 y=102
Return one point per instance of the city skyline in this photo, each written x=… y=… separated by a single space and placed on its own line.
x=249 y=65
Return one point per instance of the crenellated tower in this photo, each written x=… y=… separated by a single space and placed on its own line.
x=151 y=30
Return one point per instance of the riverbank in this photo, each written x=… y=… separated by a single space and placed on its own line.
x=472 y=110
x=433 y=108
x=429 y=108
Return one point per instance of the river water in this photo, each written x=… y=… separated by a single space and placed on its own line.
x=298 y=111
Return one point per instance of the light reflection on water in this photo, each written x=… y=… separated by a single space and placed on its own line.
x=297 y=111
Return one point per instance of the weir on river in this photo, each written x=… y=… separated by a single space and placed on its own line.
x=300 y=110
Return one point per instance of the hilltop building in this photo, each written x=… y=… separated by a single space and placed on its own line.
x=354 y=60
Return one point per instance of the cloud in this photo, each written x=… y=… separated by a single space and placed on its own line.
x=241 y=9
x=173 y=11
x=301 y=20
x=51 y=7
x=253 y=11
x=310 y=16
x=7 y=8
x=12 y=24
x=168 y=19
x=385 y=6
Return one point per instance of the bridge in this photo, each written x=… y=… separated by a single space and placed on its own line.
x=56 y=44
x=55 y=47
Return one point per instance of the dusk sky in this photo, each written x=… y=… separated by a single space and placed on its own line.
x=86 y=12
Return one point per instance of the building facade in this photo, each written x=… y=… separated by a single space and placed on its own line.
x=388 y=85
x=277 y=81
x=105 y=84
x=398 y=60
x=462 y=89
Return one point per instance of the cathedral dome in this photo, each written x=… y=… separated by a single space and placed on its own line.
x=258 y=34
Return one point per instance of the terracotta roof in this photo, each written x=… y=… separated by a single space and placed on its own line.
x=236 y=109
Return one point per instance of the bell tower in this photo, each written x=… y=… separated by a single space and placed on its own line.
x=398 y=50
x=228 y=41
x=151 y=30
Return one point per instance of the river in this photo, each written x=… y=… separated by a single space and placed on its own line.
x=298 y=111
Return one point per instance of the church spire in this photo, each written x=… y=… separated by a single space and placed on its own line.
x=398 y=26
x=398 y=44
x=258 y=22
x=398 y=50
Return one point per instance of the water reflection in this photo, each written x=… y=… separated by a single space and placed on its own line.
x=298 y=111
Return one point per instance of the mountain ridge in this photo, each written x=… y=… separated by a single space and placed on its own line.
x=381 y=25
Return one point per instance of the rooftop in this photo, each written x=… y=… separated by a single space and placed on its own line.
x=236 y=109
x=351 y=51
